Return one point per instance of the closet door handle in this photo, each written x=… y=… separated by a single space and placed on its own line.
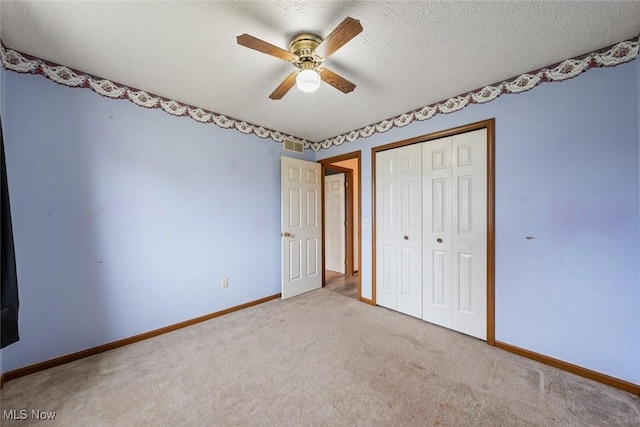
x=406 y=237
x=439 y=240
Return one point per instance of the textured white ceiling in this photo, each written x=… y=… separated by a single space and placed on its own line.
x=410 y=54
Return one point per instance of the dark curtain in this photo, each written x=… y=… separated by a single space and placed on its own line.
x=9 y=300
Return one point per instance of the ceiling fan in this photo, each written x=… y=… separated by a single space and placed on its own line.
x=307 y=52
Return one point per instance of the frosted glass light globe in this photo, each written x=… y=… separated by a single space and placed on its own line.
x=308 y=80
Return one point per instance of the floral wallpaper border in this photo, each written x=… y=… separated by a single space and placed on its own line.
x=615 y=55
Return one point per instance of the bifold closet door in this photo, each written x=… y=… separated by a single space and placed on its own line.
x=399 y=229
x=455 y=232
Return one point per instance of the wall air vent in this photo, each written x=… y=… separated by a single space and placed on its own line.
x=294 y=146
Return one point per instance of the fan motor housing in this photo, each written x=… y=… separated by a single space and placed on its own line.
x=303 y=46
x=303 y=43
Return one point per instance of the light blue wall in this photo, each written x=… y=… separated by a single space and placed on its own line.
x=567 y=173
x=126 y=219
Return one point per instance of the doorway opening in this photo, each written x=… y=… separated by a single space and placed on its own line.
x=341 y=258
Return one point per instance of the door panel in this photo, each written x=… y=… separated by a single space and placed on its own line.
x=439 y=278
x=388 y=270
x=301 y=232
x=295 y=209
x=465 y=283
x=313 y=208
x=439 y=204
x=312 y=258
x=295 y=255
x=465 y=197
x=388 y=217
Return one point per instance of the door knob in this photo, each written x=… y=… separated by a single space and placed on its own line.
x=439 y=240
x=406 y=237
x=286 y=234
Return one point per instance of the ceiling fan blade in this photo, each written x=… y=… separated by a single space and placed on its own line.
x=284 y=87
x=345 y=31
x=335 y=80
x=262 y=46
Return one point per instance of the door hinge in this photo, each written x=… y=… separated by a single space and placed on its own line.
x=345 y=262
x=345 y=222
x=346 y=183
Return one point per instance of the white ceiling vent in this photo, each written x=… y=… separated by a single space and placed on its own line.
x=294 y=146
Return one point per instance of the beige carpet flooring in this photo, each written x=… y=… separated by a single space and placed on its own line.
x=320 y=359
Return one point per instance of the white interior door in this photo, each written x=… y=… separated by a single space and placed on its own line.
x=301 y=228
x=455 y=232
x=334 y=226
x=399 y=229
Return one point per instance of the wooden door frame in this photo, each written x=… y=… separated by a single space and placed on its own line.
x=489 y=125
x=355 y=222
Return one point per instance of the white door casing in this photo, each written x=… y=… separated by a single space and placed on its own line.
x=399 y=229
x=301 y=226
x=335 y=232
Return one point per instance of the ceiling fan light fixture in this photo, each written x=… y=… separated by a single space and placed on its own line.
x=302 y=55
x=308 y=80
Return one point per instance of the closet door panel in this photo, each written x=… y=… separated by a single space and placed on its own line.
x=409 y=236
x=469 y=201
x=437 y=263
x=386 y=229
